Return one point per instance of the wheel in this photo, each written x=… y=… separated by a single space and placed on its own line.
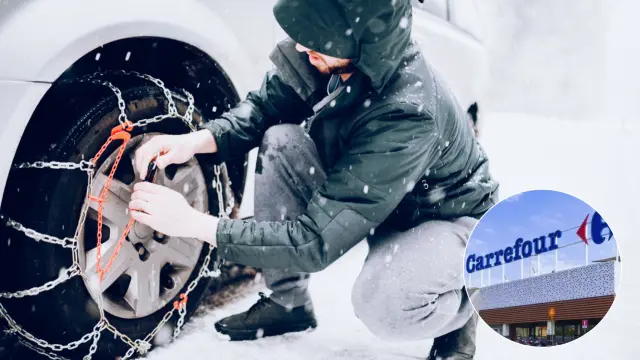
x=150 y=271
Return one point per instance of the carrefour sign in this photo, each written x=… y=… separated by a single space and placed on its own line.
x=523 y=249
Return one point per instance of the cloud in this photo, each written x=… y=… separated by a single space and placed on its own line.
x=490 y=230
x=477 y=241
x=546 y=221
x=514 y=198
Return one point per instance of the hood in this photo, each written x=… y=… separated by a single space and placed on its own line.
x=373 y=33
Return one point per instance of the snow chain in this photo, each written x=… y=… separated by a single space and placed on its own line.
x=141 y=346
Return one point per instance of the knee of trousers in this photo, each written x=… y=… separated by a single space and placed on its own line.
x=397 y=313
x=283 y=139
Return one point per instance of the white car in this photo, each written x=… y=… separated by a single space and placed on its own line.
x=146 y=57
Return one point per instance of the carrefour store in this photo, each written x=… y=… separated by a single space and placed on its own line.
x=548 y=308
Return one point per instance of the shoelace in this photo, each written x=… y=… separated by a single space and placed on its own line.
x=259 y=305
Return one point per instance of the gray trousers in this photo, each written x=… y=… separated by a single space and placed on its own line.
x=411 y=283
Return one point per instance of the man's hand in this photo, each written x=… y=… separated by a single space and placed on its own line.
x=167 y=211
x=173 y=149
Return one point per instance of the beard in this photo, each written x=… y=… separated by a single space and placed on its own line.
x=344 y=67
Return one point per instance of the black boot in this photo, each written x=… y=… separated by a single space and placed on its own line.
x=457 y=345
x=266 y=318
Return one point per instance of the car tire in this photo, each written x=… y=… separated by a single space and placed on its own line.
x=49 y=201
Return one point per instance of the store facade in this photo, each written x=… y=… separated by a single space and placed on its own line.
x=553 y=308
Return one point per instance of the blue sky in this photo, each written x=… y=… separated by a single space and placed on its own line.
x=529 y=215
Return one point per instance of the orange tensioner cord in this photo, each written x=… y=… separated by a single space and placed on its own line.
x=120 y=132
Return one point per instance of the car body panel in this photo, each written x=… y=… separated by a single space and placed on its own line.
x=458 y=56
x=35 y=55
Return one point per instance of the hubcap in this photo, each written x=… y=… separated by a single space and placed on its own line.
x=150 y=268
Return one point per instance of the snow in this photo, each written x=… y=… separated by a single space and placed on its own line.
x=339 y=334
x=589 y=159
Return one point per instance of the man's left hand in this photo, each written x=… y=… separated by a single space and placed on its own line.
x=167 y=211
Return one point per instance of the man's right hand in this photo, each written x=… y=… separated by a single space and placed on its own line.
x=173 y=149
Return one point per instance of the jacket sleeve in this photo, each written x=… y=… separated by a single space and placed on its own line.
x=241 y=129
x=386 y=156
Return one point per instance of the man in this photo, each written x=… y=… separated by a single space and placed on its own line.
x=385 y=153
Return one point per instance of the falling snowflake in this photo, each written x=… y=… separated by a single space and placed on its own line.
x=366 y=189
x=186 y=188
x=348 y=32
x=97 y=56
x=328 y=45
x=419 y=83
x=128 y=56
x=214 y=109
x=404 y=22
x=388 y=258
x=348 y=89
x=332 y=103
x=357 y=19
x=372 y=231
x=312 y=170
x=367 y=103
x=446 y=143
x=410 y=185
x=259 y=333
x=436 y=195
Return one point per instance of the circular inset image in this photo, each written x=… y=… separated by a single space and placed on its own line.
x=542 y=268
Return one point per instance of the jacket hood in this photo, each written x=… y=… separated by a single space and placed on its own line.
x=373 y=33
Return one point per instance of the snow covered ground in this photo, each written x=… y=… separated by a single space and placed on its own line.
x=591 y=160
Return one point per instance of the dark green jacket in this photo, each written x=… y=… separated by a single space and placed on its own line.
x=397 y=147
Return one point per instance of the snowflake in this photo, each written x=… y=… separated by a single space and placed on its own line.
x=404 y=22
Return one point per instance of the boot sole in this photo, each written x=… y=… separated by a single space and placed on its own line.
x=243 y=335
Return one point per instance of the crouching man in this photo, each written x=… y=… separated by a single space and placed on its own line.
x=359 y=139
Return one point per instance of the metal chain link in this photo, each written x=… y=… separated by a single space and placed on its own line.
x=82 y=165
x=41 y=351
x=42 y=343
x=183 y=312
x=64 y=276
x=142 y=346
x=66 y=242
x=122 y=117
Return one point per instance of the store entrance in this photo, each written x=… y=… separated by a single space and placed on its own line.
x=531 y=333
x=569 y=330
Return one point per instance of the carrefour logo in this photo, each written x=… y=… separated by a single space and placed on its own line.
x=522 y=249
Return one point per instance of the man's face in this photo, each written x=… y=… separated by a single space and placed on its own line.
x=325 y=63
